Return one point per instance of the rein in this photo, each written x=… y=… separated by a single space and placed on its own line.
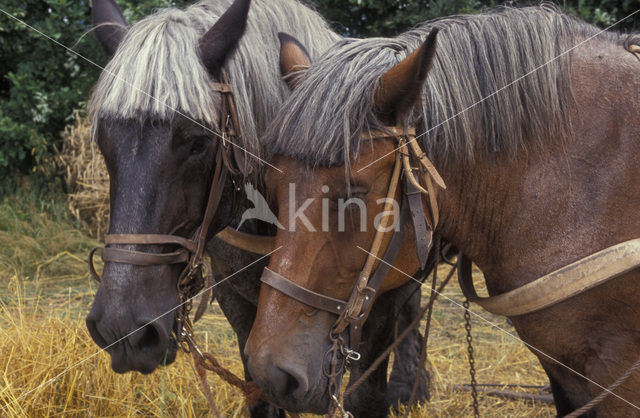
x=197 y=273
x=410 y=160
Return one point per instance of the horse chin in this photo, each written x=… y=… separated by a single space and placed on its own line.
x=122 y=363
x=172 y=353
x=318 y=404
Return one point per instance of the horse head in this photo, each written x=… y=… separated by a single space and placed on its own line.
x=325 y=220
x=160 y=152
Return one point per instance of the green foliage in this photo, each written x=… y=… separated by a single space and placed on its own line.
x=605 y=13
x=363 y=18
x=42 y=83
x=35 y=228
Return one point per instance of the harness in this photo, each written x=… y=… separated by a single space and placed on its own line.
x=410 y=160
x=543 y=292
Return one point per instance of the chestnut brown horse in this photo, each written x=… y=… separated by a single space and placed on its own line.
x=531 y=118
x=156 y=119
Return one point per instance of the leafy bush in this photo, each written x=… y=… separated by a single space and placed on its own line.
x=41 y=83
x=363 y=18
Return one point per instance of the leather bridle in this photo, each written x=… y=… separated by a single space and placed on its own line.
x=353 y=312
x=197 y=273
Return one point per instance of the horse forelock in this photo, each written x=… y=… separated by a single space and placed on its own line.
x=460 y=113
x=157 y=71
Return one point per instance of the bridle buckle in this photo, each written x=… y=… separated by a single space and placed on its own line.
x=351 y=355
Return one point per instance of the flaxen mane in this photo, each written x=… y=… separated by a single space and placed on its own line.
x=157 y=70
x=476 y=56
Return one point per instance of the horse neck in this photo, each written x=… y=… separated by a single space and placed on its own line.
x=523 y=218
x=519 y=218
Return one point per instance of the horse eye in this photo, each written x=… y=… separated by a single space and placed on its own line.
x=199 y=145
x=358 y=192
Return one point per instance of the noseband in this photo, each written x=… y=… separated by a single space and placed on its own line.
x=191 y=251
x=353 y=312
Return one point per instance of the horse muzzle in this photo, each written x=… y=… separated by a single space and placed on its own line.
x=132 y=323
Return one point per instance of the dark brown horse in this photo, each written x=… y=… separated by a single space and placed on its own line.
x=156 y=120
x=531 y=117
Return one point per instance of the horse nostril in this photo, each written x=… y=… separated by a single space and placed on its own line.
x=148 y=339
x=92 y=326
x=287 y=384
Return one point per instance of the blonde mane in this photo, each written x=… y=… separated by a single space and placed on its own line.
x=157 y=71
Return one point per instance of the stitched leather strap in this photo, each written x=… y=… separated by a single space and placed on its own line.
x=139 y=258
x=423 y=234
x=378 y=276
x=149 y=239
x=299 y=293
x=558 y=285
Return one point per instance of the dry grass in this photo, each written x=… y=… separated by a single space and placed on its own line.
x=499 y=359
x=37 y=345
x=86 y=177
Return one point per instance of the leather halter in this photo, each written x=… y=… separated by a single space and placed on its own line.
x=191 y=250
x=353 y=312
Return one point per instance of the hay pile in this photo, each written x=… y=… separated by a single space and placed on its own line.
x=86 y=177
x=50 y=367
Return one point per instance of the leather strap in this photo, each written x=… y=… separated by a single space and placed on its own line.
x=217 y=185
x=389 y=132
x=377 y=278
x=258 y=244
x=632 y=44
x=557 y=286
x=299 y=293
x=92 y=267
x=221 y=87
x=360 y=291
x=423 y=234
x=149 y=239
x=139 y=258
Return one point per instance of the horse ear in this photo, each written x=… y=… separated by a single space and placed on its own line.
x=294 y=59
x=110 y=24
x=223 y=37
x=400 y=87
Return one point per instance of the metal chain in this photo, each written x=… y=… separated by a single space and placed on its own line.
x=472 y=364
x=336 y=368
